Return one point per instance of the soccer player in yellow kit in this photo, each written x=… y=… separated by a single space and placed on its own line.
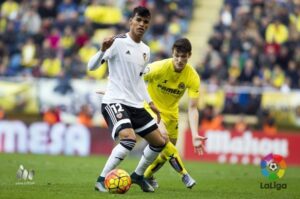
x=167 y=81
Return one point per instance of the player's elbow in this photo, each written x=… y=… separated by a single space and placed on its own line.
x=91 y=65
x=94 y=62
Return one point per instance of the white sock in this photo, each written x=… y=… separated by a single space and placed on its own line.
x=117 y=155
x=149 y=155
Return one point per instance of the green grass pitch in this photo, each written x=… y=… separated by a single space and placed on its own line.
x=73 y=177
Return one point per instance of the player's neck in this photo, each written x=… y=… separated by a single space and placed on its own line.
x=134 y=37
x=177 y=70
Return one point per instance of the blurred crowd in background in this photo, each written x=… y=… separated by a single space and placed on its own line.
x=255 y=43
x=56 y=38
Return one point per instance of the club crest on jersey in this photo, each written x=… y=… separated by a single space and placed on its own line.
x=119 y=115
x=145 y=56
x=181 y=85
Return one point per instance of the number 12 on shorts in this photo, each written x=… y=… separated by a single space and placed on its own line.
x=117 y=108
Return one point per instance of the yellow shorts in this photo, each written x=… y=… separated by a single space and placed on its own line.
x=169 y=121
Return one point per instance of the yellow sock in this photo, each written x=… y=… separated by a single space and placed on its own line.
x=171 y=152
x=155 y=166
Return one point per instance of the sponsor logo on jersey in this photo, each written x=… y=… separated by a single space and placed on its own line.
x=169 y=90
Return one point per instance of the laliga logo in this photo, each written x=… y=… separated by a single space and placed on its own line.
x=273 y=167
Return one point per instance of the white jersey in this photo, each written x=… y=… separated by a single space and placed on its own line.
x=126 y=63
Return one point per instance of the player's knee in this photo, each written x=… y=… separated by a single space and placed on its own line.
x=158 y=147
x=159 y=144
x=163 y=130
x=127 y=138
x=128 y=143
x=166 y=138
x=127 y=134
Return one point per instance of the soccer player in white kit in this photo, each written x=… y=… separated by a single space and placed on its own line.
x=123 y=101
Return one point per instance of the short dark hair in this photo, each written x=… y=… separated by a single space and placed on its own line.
x=141 y=11
x=182 y=45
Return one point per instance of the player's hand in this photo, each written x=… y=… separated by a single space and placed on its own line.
x=107 y=42
x=156 y=111
x=198 y=143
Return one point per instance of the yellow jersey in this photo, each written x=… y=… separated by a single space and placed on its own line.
x=166 y=86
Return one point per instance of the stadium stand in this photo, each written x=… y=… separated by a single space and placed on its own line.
x=38 y=36
x=253 y=46
x=255 y=43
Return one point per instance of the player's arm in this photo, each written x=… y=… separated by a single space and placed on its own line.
x=198 y=141
x=96 y=61
x=156 y=111
x=148 y=74
x=150 y=102
x=148 y=99
x=193 y=92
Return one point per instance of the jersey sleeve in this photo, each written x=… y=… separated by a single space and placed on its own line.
x=144 y=91
x=145 y=94
x=111 y=51
x=100 y=57
x=95 y=60
x=193 y=89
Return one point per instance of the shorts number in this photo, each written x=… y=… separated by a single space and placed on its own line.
x=117 y=108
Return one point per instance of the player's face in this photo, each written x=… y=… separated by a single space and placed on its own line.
x=180 y=59
x=139 y=25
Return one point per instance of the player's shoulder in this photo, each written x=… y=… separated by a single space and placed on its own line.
x=145 y=46
x=191 y=69
x=192 y=73
x=120 y=38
